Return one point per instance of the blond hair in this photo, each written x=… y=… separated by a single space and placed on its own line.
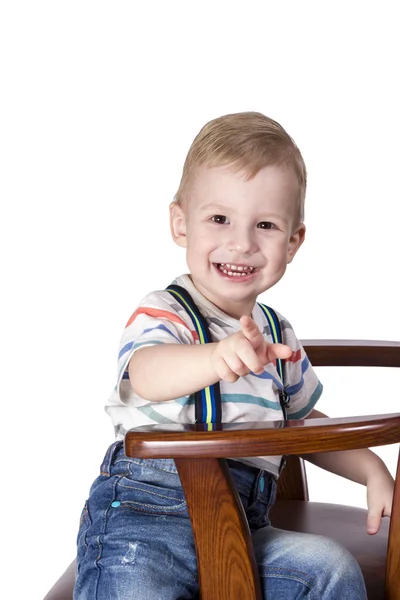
x=248 y=141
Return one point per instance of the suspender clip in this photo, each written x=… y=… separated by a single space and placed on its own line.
x=284 y=397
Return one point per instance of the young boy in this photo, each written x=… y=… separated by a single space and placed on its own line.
x=239 y=214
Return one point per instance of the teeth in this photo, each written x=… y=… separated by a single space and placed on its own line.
x=232 y=273
x=239 y=268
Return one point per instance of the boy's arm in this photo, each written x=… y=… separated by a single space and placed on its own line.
x=362 y=466
x=167 y=371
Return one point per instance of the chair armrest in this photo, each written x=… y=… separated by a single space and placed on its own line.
x=352 y=353
x=226 y=561
x=224 y=549
x=272 y=438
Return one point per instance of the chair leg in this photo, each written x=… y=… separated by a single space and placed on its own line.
x=392 y=588
x=225 y=554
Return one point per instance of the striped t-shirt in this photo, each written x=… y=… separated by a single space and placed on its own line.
x=160 y=319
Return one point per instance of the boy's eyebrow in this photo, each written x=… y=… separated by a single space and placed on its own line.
x=213 y=205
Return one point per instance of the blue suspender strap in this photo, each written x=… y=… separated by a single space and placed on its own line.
x=207 y=401
x=276 y=334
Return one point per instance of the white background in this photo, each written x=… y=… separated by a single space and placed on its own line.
x=100 y=102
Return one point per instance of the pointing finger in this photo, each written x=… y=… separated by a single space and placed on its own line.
x=275 y=351
x=250 y=329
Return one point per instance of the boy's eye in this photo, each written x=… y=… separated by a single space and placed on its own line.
x=220 y=219
x=265 y=225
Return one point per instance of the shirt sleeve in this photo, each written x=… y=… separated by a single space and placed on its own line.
x=157 y=320
x=301 y=381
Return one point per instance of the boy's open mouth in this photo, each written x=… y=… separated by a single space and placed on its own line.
x=235 y=270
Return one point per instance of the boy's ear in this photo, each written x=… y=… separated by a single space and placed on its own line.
x=296 y=240
x=177 y=223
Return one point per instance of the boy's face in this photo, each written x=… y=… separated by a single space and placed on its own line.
x=239 y=234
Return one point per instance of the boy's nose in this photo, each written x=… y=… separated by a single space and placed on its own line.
x=242 y=242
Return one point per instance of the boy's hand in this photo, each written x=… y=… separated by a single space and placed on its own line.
x=380 y=488
x=245 y=351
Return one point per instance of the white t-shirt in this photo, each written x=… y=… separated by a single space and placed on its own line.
x=160 y=319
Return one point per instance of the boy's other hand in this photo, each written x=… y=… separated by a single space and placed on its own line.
x=380 y=489
x=245 y=352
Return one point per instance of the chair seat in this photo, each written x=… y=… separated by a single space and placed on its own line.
x=346 y=525
x=63 y=589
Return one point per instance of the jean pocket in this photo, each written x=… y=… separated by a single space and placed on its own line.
x=84 y=523
x=257 y=511
x=85 y=520
x=149 y=498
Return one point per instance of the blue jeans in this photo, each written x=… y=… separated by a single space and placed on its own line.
x=135 y=540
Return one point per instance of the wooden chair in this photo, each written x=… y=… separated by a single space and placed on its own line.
x=227 y=569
